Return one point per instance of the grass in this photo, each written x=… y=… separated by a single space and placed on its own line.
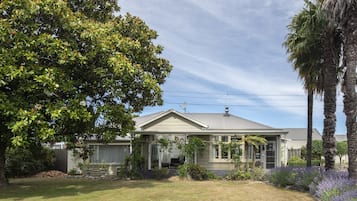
x=144 y=190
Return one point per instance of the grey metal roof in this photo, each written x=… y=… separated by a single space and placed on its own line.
x=214 y=121
x=301 y=134
x=340 y=138
x=222 y=121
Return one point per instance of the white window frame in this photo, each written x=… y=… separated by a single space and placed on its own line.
x=96 y=151
x=217 y=140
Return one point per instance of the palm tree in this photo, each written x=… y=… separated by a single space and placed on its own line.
x=343 y=14
x=303 y=45
x=254 y=141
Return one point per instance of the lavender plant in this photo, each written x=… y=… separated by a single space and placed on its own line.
x=335 y=185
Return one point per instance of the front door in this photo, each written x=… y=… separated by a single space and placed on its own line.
x=270 y=155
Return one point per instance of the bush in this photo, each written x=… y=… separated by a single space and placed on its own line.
x=160 y=173
x=299 y=178
x=335 y=186
x=257 y=174
x=26 y=161
x=305 y=176
x=238 y=175
x=197 y=172
x=282 y=177
x=298 y=162
x=182 y=171
x=212 y=175
x=73 y=172
x=194 y=171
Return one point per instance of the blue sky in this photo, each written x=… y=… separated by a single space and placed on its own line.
x=230 y=53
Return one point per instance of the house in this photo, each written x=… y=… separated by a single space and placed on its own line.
x=217 y=130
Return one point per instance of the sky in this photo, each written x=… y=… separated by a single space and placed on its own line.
x=230 y=53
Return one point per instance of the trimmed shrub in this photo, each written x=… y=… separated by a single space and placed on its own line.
x=27 y=161
x=298 y=162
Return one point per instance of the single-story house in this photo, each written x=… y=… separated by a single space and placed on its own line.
x=215 y=129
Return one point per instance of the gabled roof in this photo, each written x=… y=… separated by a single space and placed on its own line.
x=145 y=120
x=208 y=121
x=301 y=134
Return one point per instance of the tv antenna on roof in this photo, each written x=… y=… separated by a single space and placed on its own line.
x=184 y=106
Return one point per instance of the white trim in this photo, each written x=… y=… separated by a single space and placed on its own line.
x=172 y=112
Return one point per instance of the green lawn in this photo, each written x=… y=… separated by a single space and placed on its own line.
x=144 y=190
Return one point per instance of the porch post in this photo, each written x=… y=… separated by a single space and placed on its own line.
x=278 y=153
x=149 y=156
x=159 y=154
x=243 y=150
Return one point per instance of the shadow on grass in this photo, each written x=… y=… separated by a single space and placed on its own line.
x=41 y=188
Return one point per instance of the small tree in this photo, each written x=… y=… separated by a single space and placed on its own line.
x=195 y=145
x=254 y=141
x=316 y=150
x=341 y=150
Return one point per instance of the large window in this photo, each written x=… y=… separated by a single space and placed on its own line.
x=109 y=153
x=225 y=147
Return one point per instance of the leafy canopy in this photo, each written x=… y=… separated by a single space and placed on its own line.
x=73 y=68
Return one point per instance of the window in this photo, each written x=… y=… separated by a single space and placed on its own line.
x=224 y=147
x=109 y=153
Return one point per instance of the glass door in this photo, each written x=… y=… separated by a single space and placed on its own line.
x=270 y=155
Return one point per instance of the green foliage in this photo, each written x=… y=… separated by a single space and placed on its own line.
x=238 y=175
x=298 y=162
x=212 y=175
x=162 y=173
x=182 y=171
x=197 y=172
x=282 y=177
x=341 y=149
x=72 y=69
x=298 y=178
x=193 y=171
x=317 y=149
x=257 y=174
x=26 y=161
x=134 y=163
x=73 y=172
x=304 y=44
x=195 y=144
x=254 y=140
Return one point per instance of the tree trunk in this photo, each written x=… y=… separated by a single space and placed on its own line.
x=3 y=179
x=329 y=85
x=350 y=98
x=310 y=103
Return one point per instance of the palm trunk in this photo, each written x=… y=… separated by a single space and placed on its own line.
x=3 y=179
x=330 y=82
x=310 y=103
x=350 y=98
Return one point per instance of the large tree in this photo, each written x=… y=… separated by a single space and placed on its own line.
x=343 y=14
x=72 y=69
